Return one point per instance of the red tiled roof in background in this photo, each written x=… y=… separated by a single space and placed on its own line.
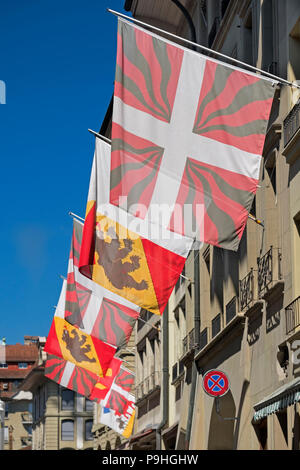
x=21 y=352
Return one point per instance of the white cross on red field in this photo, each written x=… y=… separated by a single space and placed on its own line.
x=177 y=137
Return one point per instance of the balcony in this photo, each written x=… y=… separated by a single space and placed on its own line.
x=188 y=343
x=148 y=386
x=291 y=134
x=177 y=372
x=291 y=124
x=269 y=272
x=292 y=316
x=246 y=290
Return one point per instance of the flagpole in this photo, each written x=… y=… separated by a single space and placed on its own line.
x=149 y=324
x=244 y=64
x=100 y=136
x=259 y=222
x=75 y=216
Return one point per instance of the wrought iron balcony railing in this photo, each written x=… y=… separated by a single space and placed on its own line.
x=292 y=315
x=246 y=291
x=188 y=342
x=269 y=269
x=291 y=123
x=148 y=385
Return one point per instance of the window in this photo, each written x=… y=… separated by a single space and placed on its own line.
x=67 y=430
x=268 y=46
x=203 y=338
x=3 y=365
x=89 y=405
x=231 y=310
x=67 y=399
x=16 y=383
x=88 y=430
x=216 y=325
x=22 y=365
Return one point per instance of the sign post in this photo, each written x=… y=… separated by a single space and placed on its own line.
x=216 y=384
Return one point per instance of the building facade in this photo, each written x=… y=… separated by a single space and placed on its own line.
x=234 y=311
x=16 y=362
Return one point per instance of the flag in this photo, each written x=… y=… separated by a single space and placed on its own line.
x=91 y=307
x=117 y=251
x=119 y=375
x=68 y=375
x=188 y=132
x=118 y=407
x=81 y=380
x=70 y=343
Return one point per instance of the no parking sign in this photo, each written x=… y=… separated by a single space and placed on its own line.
x=215 y=383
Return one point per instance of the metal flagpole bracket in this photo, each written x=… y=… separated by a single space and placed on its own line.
x=259 y=222
x=149 y=324
x=264 y=74
x=75 y=216
x=100 y=136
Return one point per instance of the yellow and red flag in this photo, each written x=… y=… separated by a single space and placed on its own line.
x=80 y=380
x=68 y=342
x=118 y=251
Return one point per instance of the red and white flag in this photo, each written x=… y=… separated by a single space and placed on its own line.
x=91 y=307
x=118 y=407
x=81 y=380
x=187 y=132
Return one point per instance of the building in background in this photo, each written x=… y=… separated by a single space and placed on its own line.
x=240 y=310
x=16 y=362
x=61 y=418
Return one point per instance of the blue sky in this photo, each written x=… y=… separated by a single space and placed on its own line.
x=57 y=60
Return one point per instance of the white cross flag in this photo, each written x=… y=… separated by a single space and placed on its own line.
x=187 y=132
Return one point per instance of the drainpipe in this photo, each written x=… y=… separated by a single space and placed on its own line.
x=165 y=377
x=197 y=345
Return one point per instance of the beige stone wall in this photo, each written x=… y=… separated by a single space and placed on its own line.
x=246 y=347
x=20 y=419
